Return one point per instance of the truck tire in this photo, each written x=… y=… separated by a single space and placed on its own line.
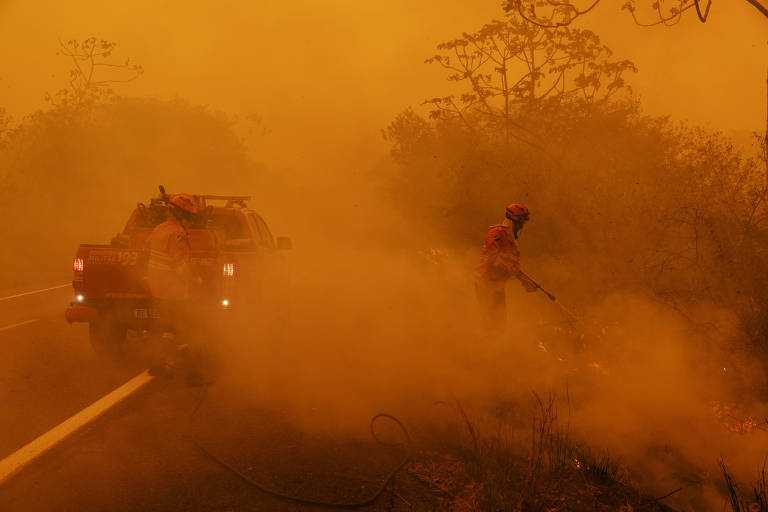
x=107 y=337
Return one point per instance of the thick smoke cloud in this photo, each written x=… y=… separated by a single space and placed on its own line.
x=370 y=323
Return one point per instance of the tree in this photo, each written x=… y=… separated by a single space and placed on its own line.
x=92 y=75
x=512 y=63
x=563 y=12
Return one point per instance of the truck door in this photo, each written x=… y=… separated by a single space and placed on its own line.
x=266 y=253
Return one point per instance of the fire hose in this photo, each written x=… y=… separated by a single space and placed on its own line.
x=304 y=501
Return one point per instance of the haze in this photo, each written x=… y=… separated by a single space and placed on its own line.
x=331 y=74
x=651 y=232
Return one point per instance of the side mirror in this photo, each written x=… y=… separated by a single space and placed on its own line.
x=284 y=243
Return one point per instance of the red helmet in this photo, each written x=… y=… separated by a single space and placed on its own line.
x=517 y=211
x=184 y=202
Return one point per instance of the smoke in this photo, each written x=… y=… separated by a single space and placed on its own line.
x=375 y=317
x=368 y=327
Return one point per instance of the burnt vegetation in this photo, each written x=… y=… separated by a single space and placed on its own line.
x=485 y=462
x=623 y=202
x=635 y=201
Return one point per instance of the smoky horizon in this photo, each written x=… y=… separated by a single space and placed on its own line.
x=348 y=310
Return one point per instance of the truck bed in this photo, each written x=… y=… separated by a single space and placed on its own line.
x=111 y=272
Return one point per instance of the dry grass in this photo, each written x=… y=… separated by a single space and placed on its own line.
x=745 y=501
x=494 y=466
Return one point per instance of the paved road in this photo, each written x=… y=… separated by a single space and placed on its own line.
x=47 y=369
x=140 y=455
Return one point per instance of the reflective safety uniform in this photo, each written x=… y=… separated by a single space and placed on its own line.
x=168 y=271
x=500 y=261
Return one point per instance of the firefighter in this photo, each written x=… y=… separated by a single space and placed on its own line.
x=168 y=272
x=500 y=261
x=169 y=277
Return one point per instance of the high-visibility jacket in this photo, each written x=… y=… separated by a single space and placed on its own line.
x=500 y=259
x=168 y=272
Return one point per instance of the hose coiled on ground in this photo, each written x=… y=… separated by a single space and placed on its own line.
x=317 y=503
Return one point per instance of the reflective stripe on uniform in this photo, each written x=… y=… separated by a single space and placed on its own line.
x=168 y=265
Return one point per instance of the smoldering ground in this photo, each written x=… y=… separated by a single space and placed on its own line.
x=365 y=328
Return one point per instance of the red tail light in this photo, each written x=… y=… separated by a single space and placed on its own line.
x=229 y=269
x=78 y=265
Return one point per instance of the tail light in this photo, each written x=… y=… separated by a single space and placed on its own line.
x=78 y=265
x=229 y=269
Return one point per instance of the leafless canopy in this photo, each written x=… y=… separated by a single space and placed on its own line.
x=92 y=75
x=512 y=63
x=558 y=13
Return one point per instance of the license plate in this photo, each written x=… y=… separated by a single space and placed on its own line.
x=145 y=313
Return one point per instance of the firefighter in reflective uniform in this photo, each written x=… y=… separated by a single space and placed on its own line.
x=499 y=262
x=169 y=277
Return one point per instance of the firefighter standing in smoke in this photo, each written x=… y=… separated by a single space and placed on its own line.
x=169 y=275
x=500 y=261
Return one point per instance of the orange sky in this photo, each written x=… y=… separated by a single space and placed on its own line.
x=341 y=69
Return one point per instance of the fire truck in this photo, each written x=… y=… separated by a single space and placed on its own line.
x=233 y=256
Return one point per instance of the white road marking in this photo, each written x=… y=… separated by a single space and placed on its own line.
x=25 y=322
x=25 y=455
x=34 y=292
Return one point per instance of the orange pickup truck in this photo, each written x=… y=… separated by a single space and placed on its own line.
x=232 y=251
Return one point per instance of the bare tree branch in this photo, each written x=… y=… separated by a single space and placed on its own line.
x=565 y=12
x=702 y=17
x=85 y=83
x=563 y=6
x=760 y=7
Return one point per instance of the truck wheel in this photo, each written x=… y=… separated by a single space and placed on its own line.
x=107 y=337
